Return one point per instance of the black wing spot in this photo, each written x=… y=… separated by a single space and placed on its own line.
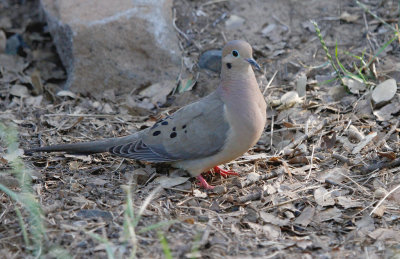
x=229 y=65
x=174 y=129
x=156 y=133
x=184 y=126
x=185 y=131
x=173 y=135
x=164 y=123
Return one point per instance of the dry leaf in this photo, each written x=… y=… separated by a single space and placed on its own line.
x=158 y=92
x=323 y=197
x=305 y=217
x=328 y=214
x=168 y=182
x=347 y=202
x=364 y=142
x=274 y=220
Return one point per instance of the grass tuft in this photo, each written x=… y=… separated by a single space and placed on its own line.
x=34 y=235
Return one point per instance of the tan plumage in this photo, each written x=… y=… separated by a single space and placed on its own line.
x=214 y=130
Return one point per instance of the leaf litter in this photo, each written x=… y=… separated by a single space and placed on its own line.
x=322 y=180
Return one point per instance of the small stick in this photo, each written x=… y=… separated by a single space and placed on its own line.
x=306 y=136
x=384 y=198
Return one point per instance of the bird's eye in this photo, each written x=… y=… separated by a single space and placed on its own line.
x=235 y=53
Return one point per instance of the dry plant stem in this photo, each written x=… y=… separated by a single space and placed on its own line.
x=343 y=159
x=80 y=115
x=269 y=82
x=251 y=197
x=380 y=166
x=251 y=158
x=297 y=142
x=311 y=162
x=267 y=176
x=384 y=198
x=181 y=32
x=340 y=185
x=286 y=202
x=387 y=136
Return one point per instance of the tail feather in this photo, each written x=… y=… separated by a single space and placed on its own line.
x=84 y=148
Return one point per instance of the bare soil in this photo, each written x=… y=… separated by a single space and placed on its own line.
x=322 y=182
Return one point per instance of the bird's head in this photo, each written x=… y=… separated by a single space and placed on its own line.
x=237 y=55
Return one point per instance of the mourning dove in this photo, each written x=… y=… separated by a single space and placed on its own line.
x=200 y=136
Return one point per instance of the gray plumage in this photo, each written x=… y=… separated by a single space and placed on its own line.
x=214 y=130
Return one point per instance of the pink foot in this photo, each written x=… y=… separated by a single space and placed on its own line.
x=223 y=172
x=204 y=184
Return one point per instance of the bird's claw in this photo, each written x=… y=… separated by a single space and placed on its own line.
x=223 y=172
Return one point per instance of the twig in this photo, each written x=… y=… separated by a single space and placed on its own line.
x=251 y=158
x=343 y=159
x=384 y=198
x=390 y=132
x=251 y=197
x=247 y=182
x=79 y=115
x=381 y=165
x=306 y=136
x=286 y=202
x=212 y=2
x=180 y=31
x=311 y=163
x=269 y=82
x=375 y=16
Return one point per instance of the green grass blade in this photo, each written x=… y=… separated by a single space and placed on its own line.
x=165 y=245
x=23 y=228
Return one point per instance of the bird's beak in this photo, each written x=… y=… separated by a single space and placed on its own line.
x=253 y=63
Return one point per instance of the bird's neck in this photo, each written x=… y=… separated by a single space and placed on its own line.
x=235 y=83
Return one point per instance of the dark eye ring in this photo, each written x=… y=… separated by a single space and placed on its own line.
x=235 y=53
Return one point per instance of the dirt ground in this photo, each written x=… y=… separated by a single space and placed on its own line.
x=322 y=182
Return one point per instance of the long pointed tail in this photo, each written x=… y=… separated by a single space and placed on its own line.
x=84 y=148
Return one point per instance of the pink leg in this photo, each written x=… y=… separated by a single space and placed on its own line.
x=204 y=184
x=223 y=172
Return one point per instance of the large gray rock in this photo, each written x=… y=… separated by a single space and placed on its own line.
x=121 y=44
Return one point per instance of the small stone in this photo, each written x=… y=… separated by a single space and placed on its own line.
x=219 y=189
x=14 y=44
x=105 y=215
x=301 y=84
x=384 y=92
x=211 y=60
x=234 y=22
x=203 y=218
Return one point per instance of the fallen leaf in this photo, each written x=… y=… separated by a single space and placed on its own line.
x=305 y=217
x=274 y=220
x=354 y=86
x=63 y=93
x=348 y=202
x=168 y=182
x=323 y=197
x=328 y=214
x=186 y=84
x=19 y=90
x=270 y=231
x=158 y=92
x=234 y=22
x=384 y=234
x=386 y=112
x=364 y=142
